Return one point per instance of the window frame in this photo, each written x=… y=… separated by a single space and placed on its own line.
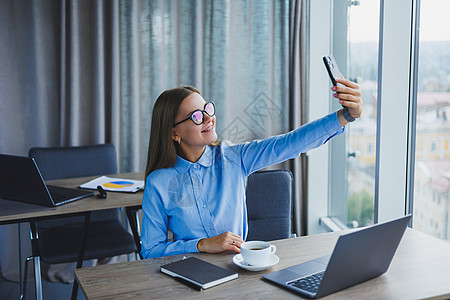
x=396 y=112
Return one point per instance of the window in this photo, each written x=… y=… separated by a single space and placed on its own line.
x=432 y=161
x=345 y=166
x=355 y=47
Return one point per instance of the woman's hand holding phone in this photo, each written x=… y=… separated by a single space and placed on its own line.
x=348 y=92
x=349 y=95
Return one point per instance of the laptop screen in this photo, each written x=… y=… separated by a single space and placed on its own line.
x=21 y=180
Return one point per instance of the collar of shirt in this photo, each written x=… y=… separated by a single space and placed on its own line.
x=182 y=165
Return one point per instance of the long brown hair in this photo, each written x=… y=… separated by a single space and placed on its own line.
x=162 y=150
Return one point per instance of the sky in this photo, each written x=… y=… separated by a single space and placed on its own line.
x=434 y=21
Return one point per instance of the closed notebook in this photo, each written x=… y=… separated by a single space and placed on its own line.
x=199 y=272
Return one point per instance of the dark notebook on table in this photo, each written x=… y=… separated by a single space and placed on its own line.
x=21 y=180
x=198 y=272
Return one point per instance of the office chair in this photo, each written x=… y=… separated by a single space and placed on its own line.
x=60 y=239
x=269 y=199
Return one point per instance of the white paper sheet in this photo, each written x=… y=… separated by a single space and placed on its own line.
x=115 y=184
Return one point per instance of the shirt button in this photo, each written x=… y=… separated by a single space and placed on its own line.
x=211 y=229
x=204 y=205
x=195 y=166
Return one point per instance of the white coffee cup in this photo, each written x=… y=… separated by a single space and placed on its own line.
x=257 y=253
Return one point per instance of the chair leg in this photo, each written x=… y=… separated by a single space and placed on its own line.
x=133 y=219
x=36 y=259
x=37 y=276
x=19 y=239
x=23 y=287
x=87 y=219
x=138 y=229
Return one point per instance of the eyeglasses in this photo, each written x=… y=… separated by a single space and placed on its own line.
x=197 y=116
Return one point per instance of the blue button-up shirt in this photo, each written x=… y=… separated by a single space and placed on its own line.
x=206 y=198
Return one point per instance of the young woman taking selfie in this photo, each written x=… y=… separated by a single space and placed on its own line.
x=195 y=186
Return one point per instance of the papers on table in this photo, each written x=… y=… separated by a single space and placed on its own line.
x=115 y=184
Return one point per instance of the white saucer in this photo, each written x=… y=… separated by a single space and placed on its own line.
x=239 y=261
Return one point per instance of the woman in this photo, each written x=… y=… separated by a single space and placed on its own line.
x=196 y=188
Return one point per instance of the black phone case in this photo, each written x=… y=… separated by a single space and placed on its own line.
x=332 y=68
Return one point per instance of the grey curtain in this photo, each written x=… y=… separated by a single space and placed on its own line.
x=86 y=72
x=59 y=77
x=235 y=52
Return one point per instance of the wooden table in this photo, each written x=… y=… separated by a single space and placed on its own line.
x=12 y=212
x=420 y=269
x=16 y=212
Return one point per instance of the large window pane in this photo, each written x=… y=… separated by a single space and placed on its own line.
x=353 y=197
x=431 y=208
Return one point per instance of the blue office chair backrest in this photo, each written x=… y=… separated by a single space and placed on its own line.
x=68 y=162
x=269 y=200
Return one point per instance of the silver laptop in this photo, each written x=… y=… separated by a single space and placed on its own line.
x=21 y=180
x=358 y=256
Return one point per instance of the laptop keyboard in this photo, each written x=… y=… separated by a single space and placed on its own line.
x=310 y=283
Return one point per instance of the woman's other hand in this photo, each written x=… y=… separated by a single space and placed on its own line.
x=221 y=242
x=349 y=95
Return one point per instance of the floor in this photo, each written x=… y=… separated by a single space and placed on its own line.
x=51 y=291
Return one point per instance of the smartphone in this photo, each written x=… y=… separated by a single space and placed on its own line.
x=332 y=68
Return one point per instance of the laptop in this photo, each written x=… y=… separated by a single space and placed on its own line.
x=21 y=180
x=357 y=256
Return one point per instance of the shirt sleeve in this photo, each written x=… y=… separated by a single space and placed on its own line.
x=154 y=228
x=258 y=154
